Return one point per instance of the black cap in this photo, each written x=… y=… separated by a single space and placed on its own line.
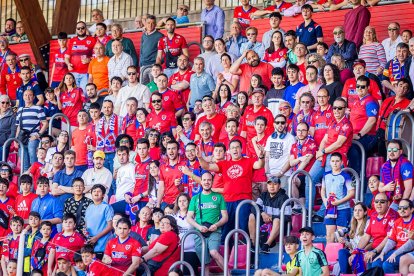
x=62 y=35
x=307 y=229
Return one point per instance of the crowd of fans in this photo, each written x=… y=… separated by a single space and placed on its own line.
x=134 y=166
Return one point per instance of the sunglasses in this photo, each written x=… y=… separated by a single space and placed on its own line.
x=283 y=108
x=80 y=28
x=392 y=29
x=403 y=208
x=280 y=122
x=361 y=86
x=312 y=61
x=182 y=9
x=186 y=119
x=156 y=101
x=338 y=107
x=132 y=73
x=4 y=170
x=381 y=201
x=45 y=142
x=123 y=141
x=305 y=102
x=338 y=33
x=153 y=135
x=393 y=149
x=5 y=103
x=24 y=59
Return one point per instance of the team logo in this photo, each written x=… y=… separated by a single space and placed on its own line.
x=177 y=40
x=310 y=29
x=127 y=247
x=71 y=239
x=214 y=198
x=235 y=171
x=166 y=98
x=88 y=42
x=7 y=78
x=163 y=117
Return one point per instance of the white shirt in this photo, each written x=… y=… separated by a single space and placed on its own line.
x=107 y=22
x=117 y=66
x=102 y=176
x=139 y=92
x=279 y=152
x=125 y=181
x=184 y=227
x=391 y=47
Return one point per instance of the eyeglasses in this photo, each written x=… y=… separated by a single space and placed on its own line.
x=132 y=73
x=80 y=28
x=4 y=170
x=153 y=135
x=283 y=108
x=312 y=61
x=280 y=122
x=191 y=150
x=124 y=141
x=45 y=142
x=156 y=101
x=208 y=41
x=305 y=102
x=393 y=149
x=249 y=34
x=338 y=33
x=186 y=119
x=338 y=107
x=164 y=222
x=403 y=208
x=361 y=86
x=5 y=103
x=24 y=59
x=392 y=29
x=183 y=9
x=380 y=201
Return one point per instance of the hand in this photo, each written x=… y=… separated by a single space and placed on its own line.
x=177 y=181
x=335 y=202
x=203 y=229
x=179 y=130
x=115 y=173
x=135 y=199
x=319 y=154
x=254 y=140
x=411 y=235
x=390 y=187
x=212 y=228
x=341 y=240
x=198 y=152
x=90 y=147
x=391 y=258
x=57 y=92
x=70 y=66
x=299 y=118
x=128 y=198
x=368 y=256
x=266 y=218
x=379 y=257
x=245 y=53
x=185 y=170
x=351 y=259
x=261 y=150
x=93 y=240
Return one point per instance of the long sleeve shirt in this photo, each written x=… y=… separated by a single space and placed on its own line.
x=347 y=50
x=214 y=21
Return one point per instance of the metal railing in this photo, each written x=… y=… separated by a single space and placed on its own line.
x=21 y=149
x=146 y=268
x=256 y=243
x=203 y=248
x=20 y=254
x=282 y=225
x=359 y=192
x=363 y=165
x=190 y=268
x=310 y=200
x=61 y=115
x=145 y=74
x=226 y=251
x=394 y=128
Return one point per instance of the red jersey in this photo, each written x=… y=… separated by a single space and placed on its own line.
x=248 y=121
x=154 y=153
x=141 y=178
x=260 y=174
x=243 y=17
x=97 y=268
x=37 y=244
x=350 y=94
x=387 y=107
x=13 y=190
x=379 y=227
x=217 y=122
x=60 y=66
x=222 y=108
x=24 y=204
x=174 y=46
x=308 y=147
x=282 y=7
x=78 y=48
x=34 y=170
x=72 y=101
x=121 y=253
x=10 y=247
x=320 y=121
x=206 y=148
x=264 y=69
x=164 y=121
x=67 y=244
x=179 y=77
x=302 y=73
x=130 y=126
x=237 y=178
x=226 y=141
x=361 y=111
x=80 y=145
x=277 y=56
x=400 y=230
x=9 y=82
x=343 y=128
x=142 y=231
x=168 y=174
x=9 y=207
x=171 y=101
x=218 y=181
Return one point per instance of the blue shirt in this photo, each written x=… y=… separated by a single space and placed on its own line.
x=214 y=21
x=257 y=47
x=339 y=184
x=290 y=93
x=347 y=50
x=49 y=207
x=233 y=45
x=32 y=85
x=181 y=20
x=63 y=179
x=309 y=35
x=200 y=86
x=97 y=218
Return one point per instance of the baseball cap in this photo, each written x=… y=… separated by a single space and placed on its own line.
x=99 y=154
x=307 y=229
x=184 y=7
x=24 y=56
x=258 y=90
x=273 y=179
x=360 y=62
x=64 y=256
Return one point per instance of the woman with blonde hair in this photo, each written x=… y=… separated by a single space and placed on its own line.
x=372 y=52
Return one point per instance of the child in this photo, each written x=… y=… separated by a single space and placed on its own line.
x=169 y=210
x=33 y=234
x=64 y=266
x=36 y=167
x=80 y=267
x=11 y=243
x=291 y=247
x=7 y=207
x=51 y=108
x=93 y=266
x=59 y=67
x=275 y=95
x=25 y=199
x=41 y=248
x=156 y=70
x=154 y=231
x=322 y=49
x=12 y=267
x=36 y=272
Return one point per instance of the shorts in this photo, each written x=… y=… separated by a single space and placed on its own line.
x=342 y=219
x=212 y=243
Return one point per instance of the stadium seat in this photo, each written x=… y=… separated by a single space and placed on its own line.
x=320 y=246
x=241 y=257
x=393 y=274
x=374 y=165
x=348 y=275
x=331 y=251
x=213 y=267
x=296 y=225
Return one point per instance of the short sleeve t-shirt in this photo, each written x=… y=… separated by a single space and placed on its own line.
x=311 y=264
x=400 y=230
x=211 y=206
x=67 y=244
x=379 y=227
x=361 y=111
x=338 y=184
x=309 y=34
x=121 y=253
x=171 y=240
x=60 y=66
x=243 y=16
x=78 y=48
x=80 y=145
x=217 y=122
x=169 y=174
x=164 y=121
x=279 y=151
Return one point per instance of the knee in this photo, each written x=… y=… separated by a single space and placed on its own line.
x=215 y=254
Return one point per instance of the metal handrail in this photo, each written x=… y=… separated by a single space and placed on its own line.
x=226 y=251
x=61 y=115
x=198 y=44
x=20 y=254
x=407 y=145
x=21 y=149
x=256 y=242
x=203 y=248
x=359 y=194
x=310 y=202
x=394 y=128
x=282 y=224
x=190 y=268
x=363 y=165
x=147 y=269
x=141 y=72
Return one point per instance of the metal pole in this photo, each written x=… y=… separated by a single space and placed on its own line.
x=362 y=172
x=358 y=194
x=256 y=245
x=20 y=255
x=190 y=268
x=394 y=127
x=282 y=224
x=408 y=146
x=58 y=115
x=203 y=248
x=22 y=152
x=290 y=183
x=226 y=251
x=147 y=270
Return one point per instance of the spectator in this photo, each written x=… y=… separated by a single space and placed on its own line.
x=390 y=44
x=79 y=136
x=252 y=43
x=355 y=22
x=236 y=38
x=7 y=121
x=215 y=63
x=336 y=192
x=290 y=42
x=395 y=68
x=309 y=32
x=10 y=245
x=295 y=9
x=276 y=54
x=28 y=84
x=294 y=84
x=37 y=74
x=59 y=66
x=119 y=62
x=301 y=52
x=181 y=16
x=6 y=172
x=322 y=117
x=92 y=93
x=275 y=18
x=210 y=115
x=243 y=15
x=7 y=206
x=322 y=49
x=20 y=33
x=79 y=54
x=315 y=60
x=9 y=27
x=372 y=52
x=170 y=47
x=124 y=178
x=180 y=81
x=406 y=35
x=97 y=17
x=101 y=35
x=342 y=46
x=25 y=199
x=410 y=61
x=139 y=22
x=279 y=6
x=312 y=86
x=231 y=129
x=242 y=102
x=51 y=108
x=156 y=70
x=344 y=73
x=274 y=96
x=97 y=175
x=149 y=42
x=159 y=118
x=127 y=44
x=98 y=68
x=223 y=98
x=305 y=114
x=126 y=141
x=201 y=83
x=331 y=81
x=227 y=78
x=270 y=203
x=62 y=144
x=186 y=132
x=213 y=18
x=10 y=79
x=209 y=51
x=207 y=213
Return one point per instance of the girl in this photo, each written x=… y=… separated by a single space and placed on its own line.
x=276 y=54
x=154 y=179
x=242 y=101
x=223 y=99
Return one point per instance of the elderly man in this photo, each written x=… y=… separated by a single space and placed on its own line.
x=97 y=17
x=347 y=49
x=119 y=62
x=390 y=44
x=236 y=39
x=252 y=43
x=128 y=45
x=149 y=42
x=213 y=18
x=201 y=83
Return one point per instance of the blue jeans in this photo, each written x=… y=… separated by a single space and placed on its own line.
x=30 y=153
x=316 y=173
x=355 y=155
x=81 y=81
x=231 y=223
x=109 y=161
x=343 y=255
x=387 y=266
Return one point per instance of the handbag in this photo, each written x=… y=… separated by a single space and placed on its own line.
x=24 y=134
x=154 y=265
x=206 y=224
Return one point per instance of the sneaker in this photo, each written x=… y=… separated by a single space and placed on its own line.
x=265 y=248
x=317 y=218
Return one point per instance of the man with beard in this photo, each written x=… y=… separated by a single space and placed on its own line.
x=9 y=27
x=180 y=81
x=97 y=175
x=192 y=171
x=170 y=47
x=209 y=51
x=347 y=49
x=159 y=118
x=79 y=54
x=252 y=67
x=92 y=93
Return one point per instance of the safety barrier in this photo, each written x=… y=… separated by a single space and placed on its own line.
x=146 y=268
x=310 y=204
x=256 y=253
x=203 y=248
x=182 y=263
x=363 y=164
x=61 y=115
x=201 y=48
x=21 y=149
x=20 y=254
x=282 y=225
x=226 y=251
x=359 y=192
x=145 y=74
x=394 y=127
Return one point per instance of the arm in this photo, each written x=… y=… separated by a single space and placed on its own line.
x=204 y=164
x=325 y=271
x=235 y=67
x=336 y=145
x=182 y=85
x=3 y=264
x=408 y=187
x=368 y=125
x=160 y=193
x=363 y=242
x=260 y=13
x=313 y=47
x=134 y=266
x=40 y=100
x=53 y=72
x=45 y=125
x=155 y=251
x=106 y=230
x=191 y=220
x=305 y=161
x=159 y=57
x=51 y=260
x=185 y=52
x=56 y=191
x=349 y=196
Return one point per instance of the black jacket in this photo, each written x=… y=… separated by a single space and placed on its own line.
x=272 y=205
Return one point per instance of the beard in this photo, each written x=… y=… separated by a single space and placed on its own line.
x=255 y=63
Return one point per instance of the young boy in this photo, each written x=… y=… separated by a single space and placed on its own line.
x=291 y=247
x=51 y=108
x=12 y=267
x=33 y=234
x=93 y=266
x=11 y=243
x=275 y=95
x=156 y=70
x=7 y=207
x=59 y=67
x=35 y=168
x=41 y=248
x=336 y=192
x=79 y=267
x=25 y=199
x=64 y=266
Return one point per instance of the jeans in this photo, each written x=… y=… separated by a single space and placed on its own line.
x=387 y=266
x=316 y=173
x=355 y=156
x=81 y=81
x=343 y=255
x=109 y=161
x=30 y=153
x=231 y=223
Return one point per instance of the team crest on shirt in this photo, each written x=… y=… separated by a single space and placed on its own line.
x=71 y=239
x=235 y=171
x=214 y=198
x=127 y=247
x=310 y=29
x=328 y=115
x=166 y=98
x=7 y=78
x=177 y=40
x=88 y=42
x=163 y=117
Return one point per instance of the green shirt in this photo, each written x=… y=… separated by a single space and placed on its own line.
x=312 y=263
x=152 y=86
x=211 y=205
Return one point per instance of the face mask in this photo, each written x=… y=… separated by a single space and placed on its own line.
x=339 y=39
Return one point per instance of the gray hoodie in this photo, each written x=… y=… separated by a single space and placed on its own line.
x=7 y=126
